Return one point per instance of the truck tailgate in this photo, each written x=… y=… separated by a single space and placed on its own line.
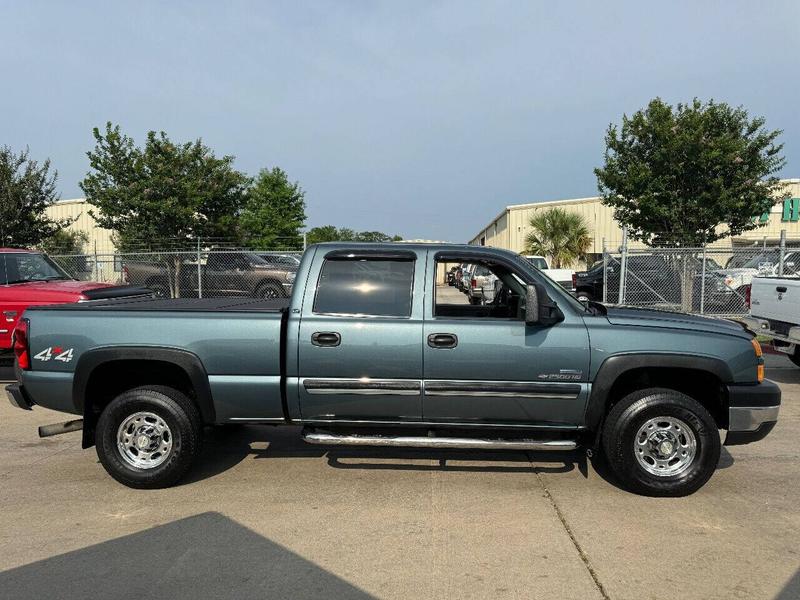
x=776 y=299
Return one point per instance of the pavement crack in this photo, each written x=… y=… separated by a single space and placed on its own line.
x=581 y=553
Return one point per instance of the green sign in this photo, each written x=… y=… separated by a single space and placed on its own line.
x=791 y=210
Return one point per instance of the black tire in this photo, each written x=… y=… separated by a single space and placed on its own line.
x=584 y=296
x=269 y=290
x=185 y=430
x=620 y=446
x=160 y=289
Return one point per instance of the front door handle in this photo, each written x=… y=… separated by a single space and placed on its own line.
x=781 y=289
x=442 y=340
x=326 y=338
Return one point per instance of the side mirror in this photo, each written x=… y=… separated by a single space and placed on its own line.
x=540 y=308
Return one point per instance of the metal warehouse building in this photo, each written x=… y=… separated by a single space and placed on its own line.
x=509 y=228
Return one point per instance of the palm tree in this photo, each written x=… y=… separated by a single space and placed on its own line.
x=563 y=236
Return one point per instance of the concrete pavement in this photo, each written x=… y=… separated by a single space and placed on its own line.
x=265 y=515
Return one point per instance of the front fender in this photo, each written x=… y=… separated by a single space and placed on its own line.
x=615 y=366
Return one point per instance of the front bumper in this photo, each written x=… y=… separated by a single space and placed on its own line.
x=18 y=397
x=752 y=412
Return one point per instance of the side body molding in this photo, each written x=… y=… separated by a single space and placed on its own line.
x=190 y=363
x=614 y=366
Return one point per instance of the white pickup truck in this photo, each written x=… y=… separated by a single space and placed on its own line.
x=564 y=277
x=775 y=313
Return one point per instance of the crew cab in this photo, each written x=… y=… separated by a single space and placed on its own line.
x=30 y=278
x=370 y=351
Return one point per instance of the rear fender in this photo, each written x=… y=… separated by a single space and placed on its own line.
x=187 y=361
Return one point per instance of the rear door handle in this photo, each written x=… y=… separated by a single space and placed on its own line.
x=326 y=338
x=781 y=289
x=442 y=340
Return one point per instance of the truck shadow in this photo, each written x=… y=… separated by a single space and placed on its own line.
x=225 y=447
x=206 y=555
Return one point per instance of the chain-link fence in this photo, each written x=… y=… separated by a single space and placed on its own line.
x=711 y=280
x=199 y=273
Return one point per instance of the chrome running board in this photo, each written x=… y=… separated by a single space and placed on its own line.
x=317 y=437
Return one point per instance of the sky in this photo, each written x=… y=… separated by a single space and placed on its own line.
x=418 y=118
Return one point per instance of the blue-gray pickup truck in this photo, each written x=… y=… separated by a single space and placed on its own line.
x=373 y=349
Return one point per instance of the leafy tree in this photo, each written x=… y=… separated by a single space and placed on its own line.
x=377 y=236
x=27 y=188
x=65 y=241
x=673 y=175
x=162 y=195
x=67 y=248
x=330 y=233
x=326 y=233
x=560 y=235
x=274 y=212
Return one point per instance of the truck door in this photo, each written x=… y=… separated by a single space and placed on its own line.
x=359 y=352
x=484 y=364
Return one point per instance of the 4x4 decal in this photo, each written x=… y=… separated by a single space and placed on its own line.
x=55 y=353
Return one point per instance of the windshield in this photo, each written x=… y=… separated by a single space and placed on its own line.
x=761 y=259
x=20 y=267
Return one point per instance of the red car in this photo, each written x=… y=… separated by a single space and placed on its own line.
x=29 y=278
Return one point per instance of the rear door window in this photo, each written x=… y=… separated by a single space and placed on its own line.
x=371 y=286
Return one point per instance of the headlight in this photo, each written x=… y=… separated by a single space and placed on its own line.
x=290 y=275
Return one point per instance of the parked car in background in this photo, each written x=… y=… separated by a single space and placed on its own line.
x=31 y=278
x=775 y=313
x=450 y=276
x=764 y=265
x=563 y=277
x=289 y=261
x=224 y=273
x=651 y=281
x=481 y=285
x=464 y=279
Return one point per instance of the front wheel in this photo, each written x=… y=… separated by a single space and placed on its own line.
x=660 y=442
x=148 y=437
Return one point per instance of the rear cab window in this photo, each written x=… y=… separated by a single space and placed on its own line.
x=380 y=286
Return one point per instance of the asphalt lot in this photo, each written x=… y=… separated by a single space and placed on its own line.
x=266 y=516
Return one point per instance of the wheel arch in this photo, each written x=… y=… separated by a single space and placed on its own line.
x=123 y=365
x=616 y=372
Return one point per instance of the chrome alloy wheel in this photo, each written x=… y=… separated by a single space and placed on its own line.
x=665 y=446
x=144 y=440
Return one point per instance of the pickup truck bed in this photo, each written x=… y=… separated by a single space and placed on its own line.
x=237 y=340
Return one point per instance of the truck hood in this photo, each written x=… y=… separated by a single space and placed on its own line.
x=642 y=317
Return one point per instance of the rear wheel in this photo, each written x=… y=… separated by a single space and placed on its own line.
x=148 y=437
x=584 y=296
x=660 y=442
